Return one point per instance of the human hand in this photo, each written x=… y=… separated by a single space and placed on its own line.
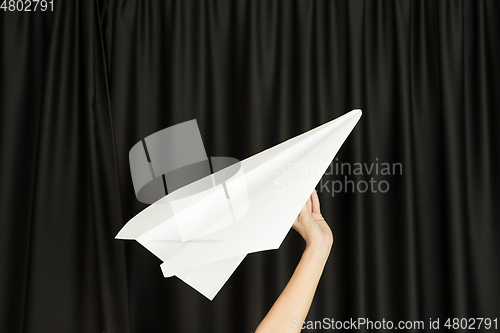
x=311 y=225
x=295 y=300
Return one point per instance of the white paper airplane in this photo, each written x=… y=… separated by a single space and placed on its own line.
x=202 y=235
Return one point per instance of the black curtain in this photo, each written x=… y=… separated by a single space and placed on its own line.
x=81 y=84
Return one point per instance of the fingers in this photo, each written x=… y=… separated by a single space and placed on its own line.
x=306 y=210
x=310 y=207
x=315 y=202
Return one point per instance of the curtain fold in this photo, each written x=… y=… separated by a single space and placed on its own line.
x=60 y=200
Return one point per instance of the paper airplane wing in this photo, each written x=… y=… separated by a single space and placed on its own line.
x=203 y=235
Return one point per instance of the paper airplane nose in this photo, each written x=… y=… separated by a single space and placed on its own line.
x=204 y=237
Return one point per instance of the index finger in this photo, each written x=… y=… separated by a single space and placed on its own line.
x=315 y=202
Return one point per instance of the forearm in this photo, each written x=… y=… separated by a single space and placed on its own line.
x=295 y=300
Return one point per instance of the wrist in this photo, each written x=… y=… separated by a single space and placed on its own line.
x=318 y=248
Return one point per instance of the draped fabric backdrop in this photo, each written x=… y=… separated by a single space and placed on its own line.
x=79 y=86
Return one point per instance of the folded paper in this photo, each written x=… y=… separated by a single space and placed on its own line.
x=203 y=230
